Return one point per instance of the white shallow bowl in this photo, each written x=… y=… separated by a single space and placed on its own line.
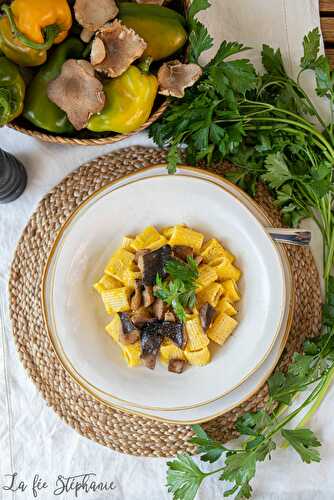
x=75 y=317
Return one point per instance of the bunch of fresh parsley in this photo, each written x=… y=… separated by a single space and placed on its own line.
x=179 y=289
x=313 y=369
x=269 y=128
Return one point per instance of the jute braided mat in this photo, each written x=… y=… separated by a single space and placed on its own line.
x=113 y=428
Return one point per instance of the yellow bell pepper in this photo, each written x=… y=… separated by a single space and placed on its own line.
x=129 y=102
x=41 y=23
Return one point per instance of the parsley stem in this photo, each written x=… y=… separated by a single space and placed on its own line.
x=328 y=381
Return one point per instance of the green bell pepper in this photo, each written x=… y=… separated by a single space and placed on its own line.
x=12 y=90
x=162 y=29
x=38 y=108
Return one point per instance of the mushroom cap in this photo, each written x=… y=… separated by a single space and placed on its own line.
x=94 y=14
x=115 y=47
x=174 y=77
x=77 y=92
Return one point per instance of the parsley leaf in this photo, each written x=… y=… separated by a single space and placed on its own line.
x=199 y=38
x=179 y=290
x=212 y=450
x=272 y=61
x=303 y=441
x=311 y=46
x=277 y=170
x=183 y=478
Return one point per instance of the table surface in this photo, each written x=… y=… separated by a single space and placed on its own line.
x=34 y=440
x=327 y=26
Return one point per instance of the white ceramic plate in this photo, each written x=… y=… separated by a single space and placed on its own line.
x=76 y=319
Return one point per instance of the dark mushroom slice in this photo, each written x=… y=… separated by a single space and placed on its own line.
x=137 y=298
x=139 y=254
x=93 y=15
x=174 y=77
x=183 y=252
x=207 y=314
x=148 y=296
x=153 y=263
x=151 y=340
x=175 y=332
x=77 y=92
x=142 y=317
x=159 y=308
x=176 y=365
x=115 y=47
x=130 y=334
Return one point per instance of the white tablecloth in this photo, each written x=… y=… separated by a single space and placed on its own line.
x=33 y=440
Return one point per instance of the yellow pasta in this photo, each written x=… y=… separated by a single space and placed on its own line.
x=149 y=239
x=167 y=231
x=231 y=290
x=210 y=294
x=196 y=336
x=216 y=284
x=131 y=353
x=114 y=328
x=127 y=242
x=107 y=283
x=130 y=275
x=207 y=275
x=119 y=262
x=212 y=252
x=226 y=270
x=198 y=358
x=116 y=300
x=188 y=237
x=222 y=328
x=170 y=351
x=225 y=306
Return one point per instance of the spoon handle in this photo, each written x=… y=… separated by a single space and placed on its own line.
x=299 y=237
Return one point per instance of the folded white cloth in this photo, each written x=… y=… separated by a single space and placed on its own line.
x=33 y=440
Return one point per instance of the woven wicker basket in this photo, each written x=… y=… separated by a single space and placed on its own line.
x=86 y=138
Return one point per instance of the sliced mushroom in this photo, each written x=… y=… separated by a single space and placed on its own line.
x=170 y=316
x=207 y=314
x=119 y=48
x=153 y=263
x=77 y=92
x=136 y=300
x=174 y=77
x=159 y=308
x=175 y=332
x=183 y=252
x=198 y=259
x=176 y=365
x=129 y=334
x=148 y=296
x=142 y=317
x=93 y=15
x=150 y=344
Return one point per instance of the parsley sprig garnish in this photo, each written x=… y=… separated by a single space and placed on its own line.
x=179 y=289
x=261 y=123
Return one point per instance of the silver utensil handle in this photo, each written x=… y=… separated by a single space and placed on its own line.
x=299 y=237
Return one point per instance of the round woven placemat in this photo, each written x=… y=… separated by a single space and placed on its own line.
x=118 y=430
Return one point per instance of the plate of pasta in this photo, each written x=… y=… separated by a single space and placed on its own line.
x=163 y=292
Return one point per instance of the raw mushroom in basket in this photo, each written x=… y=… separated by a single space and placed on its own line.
x=174 y=77
x=92 y=15
x=77 y=92
x=115 y=47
